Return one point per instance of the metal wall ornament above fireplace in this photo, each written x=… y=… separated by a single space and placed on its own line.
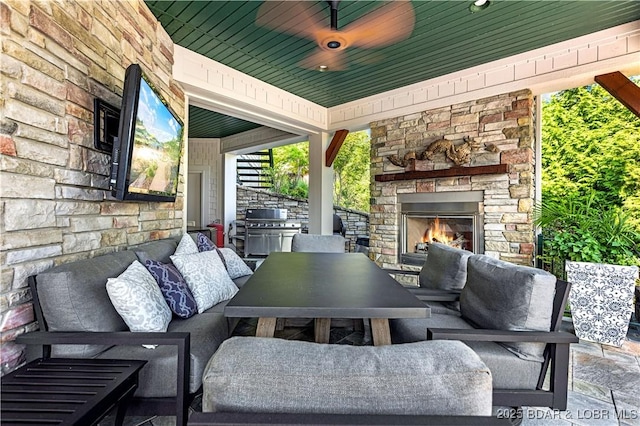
x=453 y=218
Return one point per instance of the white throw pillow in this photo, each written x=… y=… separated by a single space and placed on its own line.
x=206 y=277
x=235 y=265
x=186 y=246
x=137 y=298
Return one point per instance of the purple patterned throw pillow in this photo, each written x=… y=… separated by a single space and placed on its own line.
x=173 y=287
x=205 y=244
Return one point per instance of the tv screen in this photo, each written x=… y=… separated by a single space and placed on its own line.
x=146 y=158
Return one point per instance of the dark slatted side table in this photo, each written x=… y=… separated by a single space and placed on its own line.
x=61 y=391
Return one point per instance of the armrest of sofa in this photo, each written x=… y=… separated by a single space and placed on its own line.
x=434 y=295
x=106 y=337
x=486 y=335
x=400 y=271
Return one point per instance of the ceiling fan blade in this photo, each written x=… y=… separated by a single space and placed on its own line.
x=333 y=60
x=384 y=26
x=369 y=58
x=302 y=19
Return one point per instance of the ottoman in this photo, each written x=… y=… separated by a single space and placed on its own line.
x=268 y=375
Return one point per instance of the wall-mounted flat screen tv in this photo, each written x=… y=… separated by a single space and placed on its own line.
x=145 y=162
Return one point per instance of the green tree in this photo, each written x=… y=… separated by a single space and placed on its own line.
x=351 y=172
x=591 y=144
x=291 y=169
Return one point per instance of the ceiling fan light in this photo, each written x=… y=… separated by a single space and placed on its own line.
x=334 y=44
x=479 y=5
x=323 y=68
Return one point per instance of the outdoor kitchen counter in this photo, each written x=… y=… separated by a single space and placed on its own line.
x=324 y=286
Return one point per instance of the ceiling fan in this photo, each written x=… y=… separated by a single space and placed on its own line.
x=384 y=26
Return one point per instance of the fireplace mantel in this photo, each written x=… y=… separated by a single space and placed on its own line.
x=453 y=171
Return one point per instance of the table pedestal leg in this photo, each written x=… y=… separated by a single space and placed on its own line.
x=380 y=331
x=322 y=328
x=266 y=327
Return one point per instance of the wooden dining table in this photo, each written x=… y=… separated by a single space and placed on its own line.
x=324 y=286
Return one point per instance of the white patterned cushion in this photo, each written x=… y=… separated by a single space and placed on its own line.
x=186 y=246
x=601 y=300
x=206 y=277
x=235 y=265
x=137 y=298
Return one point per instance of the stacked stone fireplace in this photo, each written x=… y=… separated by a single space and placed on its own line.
x=466 y=170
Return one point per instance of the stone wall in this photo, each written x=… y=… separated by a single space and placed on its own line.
x=55 y=204
x=503 y=128
x=356 y=222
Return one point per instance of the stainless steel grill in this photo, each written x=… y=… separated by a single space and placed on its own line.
x=268 y=230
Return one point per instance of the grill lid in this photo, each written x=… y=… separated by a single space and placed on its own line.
x=266 y=214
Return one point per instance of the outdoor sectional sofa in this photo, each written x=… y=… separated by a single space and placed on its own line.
x=76 y=315
x=510 y=315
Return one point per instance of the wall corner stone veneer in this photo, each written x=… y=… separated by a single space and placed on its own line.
x=55 y=205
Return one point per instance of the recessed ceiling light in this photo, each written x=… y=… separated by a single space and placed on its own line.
x=323 y=68
x=479 y=5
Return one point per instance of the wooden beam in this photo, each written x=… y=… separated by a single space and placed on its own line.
x=453 y=171
x=334 y=146
x=623 y=89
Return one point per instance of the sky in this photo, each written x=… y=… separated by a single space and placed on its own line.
x=156 y=117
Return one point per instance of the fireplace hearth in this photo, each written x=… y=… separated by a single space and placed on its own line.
x=453 y=218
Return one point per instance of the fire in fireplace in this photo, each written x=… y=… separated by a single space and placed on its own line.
x=453 y=231
x=455 y=220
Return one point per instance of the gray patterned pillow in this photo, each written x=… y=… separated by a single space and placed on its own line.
x=234 y=263
x=137 y=298
x=186 y=246
x=206 y=277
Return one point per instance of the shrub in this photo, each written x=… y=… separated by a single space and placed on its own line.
x=578 y=228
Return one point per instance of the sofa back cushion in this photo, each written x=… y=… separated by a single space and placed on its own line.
x=158 y=250
x=504 y=296
x=445 y=268
x=73 y=297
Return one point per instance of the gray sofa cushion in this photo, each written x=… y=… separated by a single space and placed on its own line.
x=240 y=281
x=504 y=296
x=252 y=374
x=158 y=376
x=158 y=250
x=449 y=308
x=317 y=243
x=73 y=297
x=508 y=370
x=406 y=330
x=445 y=268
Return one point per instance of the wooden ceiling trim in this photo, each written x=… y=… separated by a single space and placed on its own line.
x=621 y=88
x=334 y=146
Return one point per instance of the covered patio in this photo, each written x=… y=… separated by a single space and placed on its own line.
x=462 y=75
x=271 y=99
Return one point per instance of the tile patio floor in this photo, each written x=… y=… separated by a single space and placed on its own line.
x=604 y=381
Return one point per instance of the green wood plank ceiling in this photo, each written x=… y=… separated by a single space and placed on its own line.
x=446 y=38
